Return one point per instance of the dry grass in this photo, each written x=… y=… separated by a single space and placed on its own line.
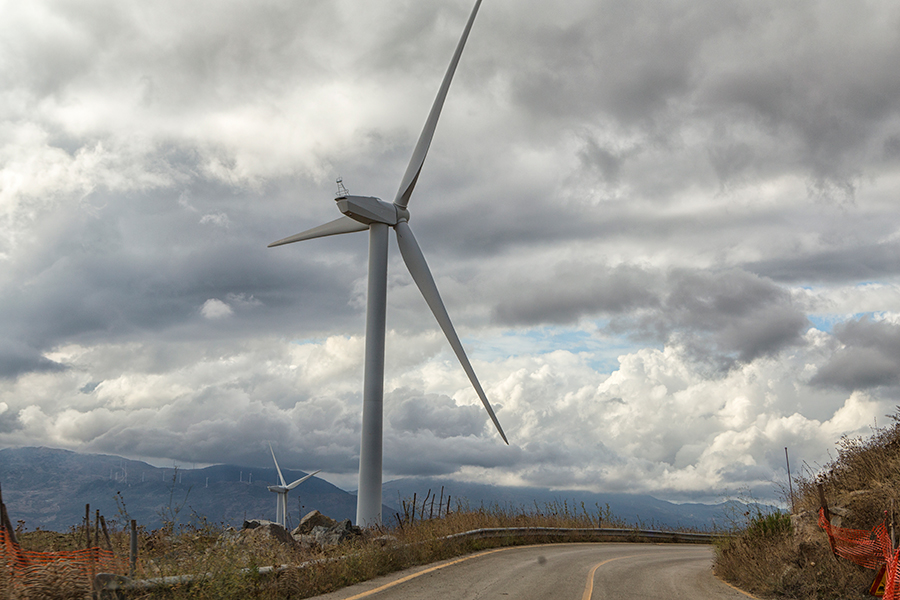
x=795 y=561
x=5 y=582
x=59 y=580
x=774 y=561
x=232 y=567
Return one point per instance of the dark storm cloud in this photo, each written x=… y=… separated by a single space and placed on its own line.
x=869 y=358
x=162 y=53
x=9 y=421
x=819 y=96
x=425 y=454
x=625 y=59
x=436 y=413
x=720 y=316
x=575 y=290
x=859 y=262
x=726 y=314
x=16 y=358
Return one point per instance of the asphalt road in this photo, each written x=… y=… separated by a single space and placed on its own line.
x=558 y=571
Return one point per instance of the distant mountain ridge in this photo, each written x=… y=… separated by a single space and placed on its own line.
x=642 y=509
x=48 y=488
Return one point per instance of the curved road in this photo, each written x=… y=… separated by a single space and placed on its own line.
x=559 y=572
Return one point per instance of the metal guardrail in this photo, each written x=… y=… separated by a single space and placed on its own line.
x=109 y=584
x=599 y=532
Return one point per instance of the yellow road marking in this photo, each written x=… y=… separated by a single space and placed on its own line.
x=737 y=589
x=589 y=586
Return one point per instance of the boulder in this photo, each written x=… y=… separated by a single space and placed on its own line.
x=306 y=542
x=337 y=533
x=261 y=528
x=311 y=520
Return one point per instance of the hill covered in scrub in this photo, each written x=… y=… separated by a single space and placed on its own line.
x=788 y=556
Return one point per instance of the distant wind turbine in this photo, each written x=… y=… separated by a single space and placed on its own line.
x=282 y=491
x=366 y=212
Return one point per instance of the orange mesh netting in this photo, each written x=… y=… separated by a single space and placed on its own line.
x=32 y=568
x=869 y=549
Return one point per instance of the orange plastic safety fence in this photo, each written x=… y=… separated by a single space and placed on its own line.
x=870 y=549
x=890 y=583
x=22 y=564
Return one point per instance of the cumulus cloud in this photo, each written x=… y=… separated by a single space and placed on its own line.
x=215 y=309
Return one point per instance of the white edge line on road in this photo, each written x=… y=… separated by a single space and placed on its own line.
x=429 y=570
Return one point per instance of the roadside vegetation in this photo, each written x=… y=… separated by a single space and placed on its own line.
x=234 y=564
x=788 y=556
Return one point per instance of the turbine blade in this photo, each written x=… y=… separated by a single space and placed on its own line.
x=299 y=481
x=408 y=183
x=421 y=274
x=341 y=225
x=277 y=468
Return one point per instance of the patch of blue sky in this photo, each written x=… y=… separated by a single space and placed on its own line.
x=600 y=351
x=307 y=341
x=826 y=321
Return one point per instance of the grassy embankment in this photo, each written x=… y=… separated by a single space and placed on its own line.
x=784 y=556
x=198 y=547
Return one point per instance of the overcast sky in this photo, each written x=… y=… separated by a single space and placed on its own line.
x=667 y=233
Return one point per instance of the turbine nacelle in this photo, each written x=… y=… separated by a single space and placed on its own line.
x=368 y=210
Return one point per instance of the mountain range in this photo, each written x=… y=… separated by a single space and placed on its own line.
x=48 y=488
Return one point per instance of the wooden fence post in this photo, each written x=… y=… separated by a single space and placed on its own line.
x=87 y=526
x=97 y=529
x=134 y=549
x=790 y=483
x=105 y=533
x=5 y=523
x=824 y=506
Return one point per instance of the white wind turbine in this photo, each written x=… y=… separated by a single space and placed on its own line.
x=282 y=491
x=366 y=212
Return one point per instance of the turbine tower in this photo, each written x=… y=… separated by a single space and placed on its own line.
x=366 y=212
x=282 y=491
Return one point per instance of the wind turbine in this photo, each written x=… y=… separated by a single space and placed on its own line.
x=282 y=491
x=366 y=212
